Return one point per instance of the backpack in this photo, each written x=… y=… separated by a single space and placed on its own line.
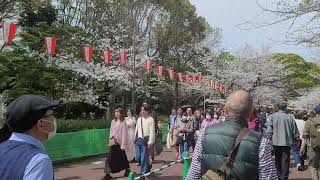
x=315 y=133
x=224 y=171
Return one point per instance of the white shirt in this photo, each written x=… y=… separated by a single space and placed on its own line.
x=148 y=128
x=300 y=124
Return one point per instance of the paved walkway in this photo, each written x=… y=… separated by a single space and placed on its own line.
x=92 y=169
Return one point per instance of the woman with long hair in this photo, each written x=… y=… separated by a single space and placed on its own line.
x=131 y=122
x=118 y=142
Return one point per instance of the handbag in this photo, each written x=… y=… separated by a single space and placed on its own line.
x=169 y=140
x=252 y=125
x=112 y=141
x=224 y=171
x=141 y=141
x=158 y=144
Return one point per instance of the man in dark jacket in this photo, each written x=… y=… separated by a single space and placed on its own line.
x=311 y=137
x=215 y=145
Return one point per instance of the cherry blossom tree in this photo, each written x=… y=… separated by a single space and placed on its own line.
x=308 y=100
x=253 y=71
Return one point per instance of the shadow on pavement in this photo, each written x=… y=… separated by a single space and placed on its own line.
x=159 y=161
x=70 y=178
x=165 y=177
x=98 y=168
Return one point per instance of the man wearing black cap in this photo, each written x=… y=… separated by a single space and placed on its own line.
x=29 y=122
x=311 y=137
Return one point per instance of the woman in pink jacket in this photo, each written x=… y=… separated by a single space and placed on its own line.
x=209 y=120
x=118 y=142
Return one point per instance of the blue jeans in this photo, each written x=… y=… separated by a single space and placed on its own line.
x=296 y=154
x=142 y=156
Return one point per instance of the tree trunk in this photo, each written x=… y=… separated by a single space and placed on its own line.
x=110 y=109
x=176 y=94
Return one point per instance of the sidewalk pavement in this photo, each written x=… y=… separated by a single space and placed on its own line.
x=92 y=169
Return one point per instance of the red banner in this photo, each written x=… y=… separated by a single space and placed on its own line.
x=8 y=31
x=106 y=56
x=160 y=71
x=217 y=86
x=170 y=74
x=87 y=52
x=123 y=57
x=179 y=77
x=50 y=43
x=148 y=64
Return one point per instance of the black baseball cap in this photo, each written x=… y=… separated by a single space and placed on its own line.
x=25 y=111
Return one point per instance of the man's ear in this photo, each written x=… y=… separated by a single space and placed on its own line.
x=225 y=109
x=250 y=113
x=39 y=124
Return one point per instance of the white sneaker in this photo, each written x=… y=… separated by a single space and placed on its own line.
x=299 y=168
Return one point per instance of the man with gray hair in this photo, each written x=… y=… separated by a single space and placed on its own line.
x=215 y=144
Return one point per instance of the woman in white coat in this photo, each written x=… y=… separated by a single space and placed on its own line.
x=131 y=122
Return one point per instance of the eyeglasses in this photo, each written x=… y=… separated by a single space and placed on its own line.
x=48 y=115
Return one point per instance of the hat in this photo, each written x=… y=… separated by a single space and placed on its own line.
x=317 y=109
x=25 y=111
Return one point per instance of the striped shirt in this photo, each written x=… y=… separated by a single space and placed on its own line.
x=267 y=168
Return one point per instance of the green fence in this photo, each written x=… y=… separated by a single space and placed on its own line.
x=65 y=146
x=72 y=145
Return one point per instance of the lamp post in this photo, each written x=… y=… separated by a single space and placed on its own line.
x=133 y=100
x=204 y=101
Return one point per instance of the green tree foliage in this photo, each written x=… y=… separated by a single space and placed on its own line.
x=7 y=8
x=31 y=16
x=226 y=57
x=304 y=74
x=39 y=21
x=20 y=74
x=69 y=39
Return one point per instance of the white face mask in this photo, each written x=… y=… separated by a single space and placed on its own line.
x=215 y=116
x=208 y=117
x=53 y=133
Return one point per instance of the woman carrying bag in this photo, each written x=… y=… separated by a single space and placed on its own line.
x=145 y=138
x=118 y=140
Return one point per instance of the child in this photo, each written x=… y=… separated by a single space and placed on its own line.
x=160 y=124
x=160 y=127
x=158 y=144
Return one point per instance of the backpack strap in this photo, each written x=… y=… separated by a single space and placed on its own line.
x=141 y=127
x=136 y=135
x=226 y=167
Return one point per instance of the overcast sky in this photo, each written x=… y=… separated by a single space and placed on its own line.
x=227 y=14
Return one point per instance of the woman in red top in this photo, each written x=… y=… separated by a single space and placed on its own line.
x=253 y=120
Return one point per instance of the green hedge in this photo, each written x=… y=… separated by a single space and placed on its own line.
x=72 y=125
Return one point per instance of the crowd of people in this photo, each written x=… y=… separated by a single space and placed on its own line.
x=184 y=127
x=133 y=139
x=236 y=141
x=243 y=146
